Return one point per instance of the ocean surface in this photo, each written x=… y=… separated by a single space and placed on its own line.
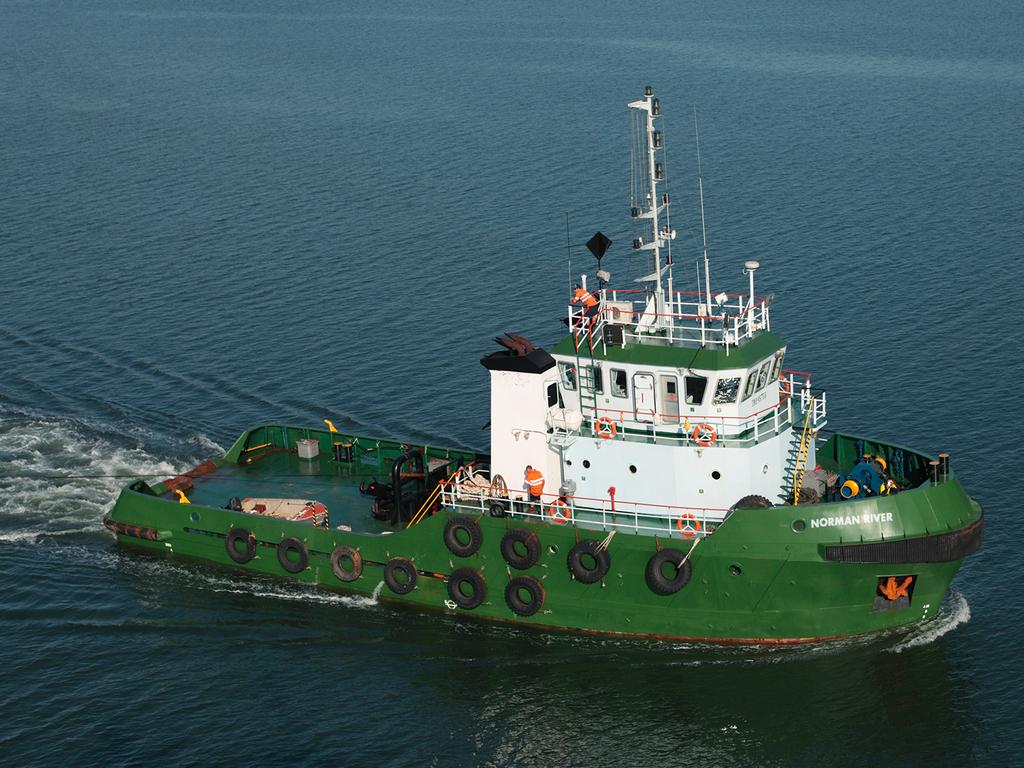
x=214 y=214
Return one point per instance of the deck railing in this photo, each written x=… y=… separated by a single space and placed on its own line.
x=668 y=520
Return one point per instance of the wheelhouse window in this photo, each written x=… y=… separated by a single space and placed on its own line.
x=620 y=384
x=777 y=365
x=552 y=395
x=748 y=390
x=762 y=375
x=726 y=391
x=597 y=377
x=695 y=388
x=568 y=376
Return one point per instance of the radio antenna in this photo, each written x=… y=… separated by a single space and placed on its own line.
x=703 y=229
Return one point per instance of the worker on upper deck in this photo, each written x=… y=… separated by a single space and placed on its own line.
x=534 y=484
x=587 y=300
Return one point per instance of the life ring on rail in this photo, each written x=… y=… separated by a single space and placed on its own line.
x=688 y=529
x=588 y=562
x=521 y=548
x=559 y=512
x=704 y=435
x=659 y=583
x=462 y=536
x=467 y=588
x=606 y=428
x=292 y=544
x=340 y=557
x=238 y=536
x=784 y=387
x=524 y=595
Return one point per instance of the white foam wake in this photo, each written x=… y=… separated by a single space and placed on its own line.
x=955 y=612
x=49 y=484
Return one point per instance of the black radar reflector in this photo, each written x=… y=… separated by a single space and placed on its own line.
x=599 y=245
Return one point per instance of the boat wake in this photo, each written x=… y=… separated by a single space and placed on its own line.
x=954 y=612
x=58 y=476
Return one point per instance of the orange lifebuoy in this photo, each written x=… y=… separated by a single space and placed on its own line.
x=784 y=387
x=688 y=529
x=704 y=435
x=559 y=512
x=606 y=428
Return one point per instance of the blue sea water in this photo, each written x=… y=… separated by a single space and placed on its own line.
x=218 y=213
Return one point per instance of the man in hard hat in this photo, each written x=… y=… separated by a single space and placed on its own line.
x=534 y=486
x=588 y=301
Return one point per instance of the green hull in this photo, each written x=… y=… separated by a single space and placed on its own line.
x=762 y=577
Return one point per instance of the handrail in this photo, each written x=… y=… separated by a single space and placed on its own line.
x=431 y=498
x=801 y=456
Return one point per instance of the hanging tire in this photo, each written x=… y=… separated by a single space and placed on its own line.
x=467 y=588
x=400 y=575
x=462 y=536
x=339 y=556
x=752 y=501
x=292 y=544
x=236 y=536
x=587 y=563
x=524 y=606
x=661 y=584
x=513 y=540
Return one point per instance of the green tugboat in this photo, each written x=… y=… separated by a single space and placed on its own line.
x=658 y=473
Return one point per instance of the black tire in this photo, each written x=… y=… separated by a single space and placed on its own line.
x=580 y=558
x=527 y=539
x=498 y=509
x=661 y=584
x=460 y=578
x=236 y=535
x=292 y=544
x=339 y=555
x=400 y=575
x=752 y=502
x=514 y=598
x=459 y=528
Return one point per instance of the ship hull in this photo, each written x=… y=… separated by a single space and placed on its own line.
x=780 y=575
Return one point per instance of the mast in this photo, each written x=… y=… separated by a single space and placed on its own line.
x=646 y=204
x=703 y=229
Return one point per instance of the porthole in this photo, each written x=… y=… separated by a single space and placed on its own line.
x=586 y=463
x=764 y=470
x=632 y=468
x=552 y=549
x=799 y=525
x=716 y=475
x=568 y=462
x=195 y=517
x=735 y=569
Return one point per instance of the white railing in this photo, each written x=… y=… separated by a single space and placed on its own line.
x=667 y=520
x=796 y=396
x=686 y=321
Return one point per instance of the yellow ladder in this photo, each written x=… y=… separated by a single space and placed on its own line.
x=801 y=457
x=431 y=499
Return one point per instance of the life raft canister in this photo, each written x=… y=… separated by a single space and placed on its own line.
x=704 y=435
x=606 y=428
x=688 y=524
x=559 y=512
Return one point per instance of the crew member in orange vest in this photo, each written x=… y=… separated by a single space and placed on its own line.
x=588 y=300
x=534 y=484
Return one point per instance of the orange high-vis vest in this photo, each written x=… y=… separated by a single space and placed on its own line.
x=585 y=297
x=535 y=480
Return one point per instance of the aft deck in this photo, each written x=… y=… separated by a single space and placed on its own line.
x=265 y=463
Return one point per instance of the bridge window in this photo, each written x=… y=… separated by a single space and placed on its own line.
x=552 y=395
x=777 y=365
x=695 y=388
x=568 y=376
x=597 y=377
x=726 y=391
x=762 y=375
x=620 y=384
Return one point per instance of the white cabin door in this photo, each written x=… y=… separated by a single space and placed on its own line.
x=643 y=397
x=669 y=398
